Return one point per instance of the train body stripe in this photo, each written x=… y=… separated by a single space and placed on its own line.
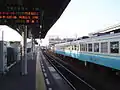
x=108 y=61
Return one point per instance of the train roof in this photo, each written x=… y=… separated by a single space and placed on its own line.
x=113 y=29
x=108 y=32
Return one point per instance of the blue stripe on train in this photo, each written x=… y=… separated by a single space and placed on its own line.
x=112 y=62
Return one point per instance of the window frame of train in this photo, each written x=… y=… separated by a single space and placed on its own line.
x=86 y=47
x=104 y=47
x=69 y=48
x=96 y=45
x=83 y=47
x=90 y=47
x=77 y=47
x=80 y=46
x=115 y=47
x=74 y=47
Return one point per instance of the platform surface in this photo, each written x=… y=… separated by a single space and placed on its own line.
x=13 y=80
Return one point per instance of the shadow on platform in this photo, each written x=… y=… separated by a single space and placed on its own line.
x=13 y=80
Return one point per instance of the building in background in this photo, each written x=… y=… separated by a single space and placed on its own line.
x=55 y=40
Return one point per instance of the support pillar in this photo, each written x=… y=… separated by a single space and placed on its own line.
x=24 y=51
x=32 y=46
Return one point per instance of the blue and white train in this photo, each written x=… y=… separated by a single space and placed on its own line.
x=100 y=49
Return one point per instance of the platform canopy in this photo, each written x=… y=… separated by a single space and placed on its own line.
x=51 y=10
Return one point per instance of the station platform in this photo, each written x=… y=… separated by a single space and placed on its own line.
x=41 y=76
x=13 y=80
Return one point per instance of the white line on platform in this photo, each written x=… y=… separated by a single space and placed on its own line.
x=43 y=67
x=43 y=70
x=47 y=81
x=51 y=69
x=49 y=88
x=45 y=74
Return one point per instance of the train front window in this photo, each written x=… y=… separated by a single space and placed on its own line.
x=96 y=47
x=114 y=47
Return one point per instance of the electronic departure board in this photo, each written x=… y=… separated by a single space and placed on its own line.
x=20 y=15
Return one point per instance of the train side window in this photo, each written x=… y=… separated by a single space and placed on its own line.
x=104 y=47
x=75 y=47
x=114 y=47
x=86 y=47
x=80 y=46
x=96 y=47
x=90 y=47
x=72 y=48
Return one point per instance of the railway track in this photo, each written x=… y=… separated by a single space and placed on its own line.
x=72 y=79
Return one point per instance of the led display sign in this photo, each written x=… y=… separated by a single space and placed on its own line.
x=20 y=15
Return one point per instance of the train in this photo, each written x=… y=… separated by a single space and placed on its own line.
x=101 y=49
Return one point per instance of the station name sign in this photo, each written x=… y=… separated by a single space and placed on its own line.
x=20 y=15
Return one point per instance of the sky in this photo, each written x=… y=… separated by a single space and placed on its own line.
x=82 y=17
x=85 y=16
x=9 y=34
